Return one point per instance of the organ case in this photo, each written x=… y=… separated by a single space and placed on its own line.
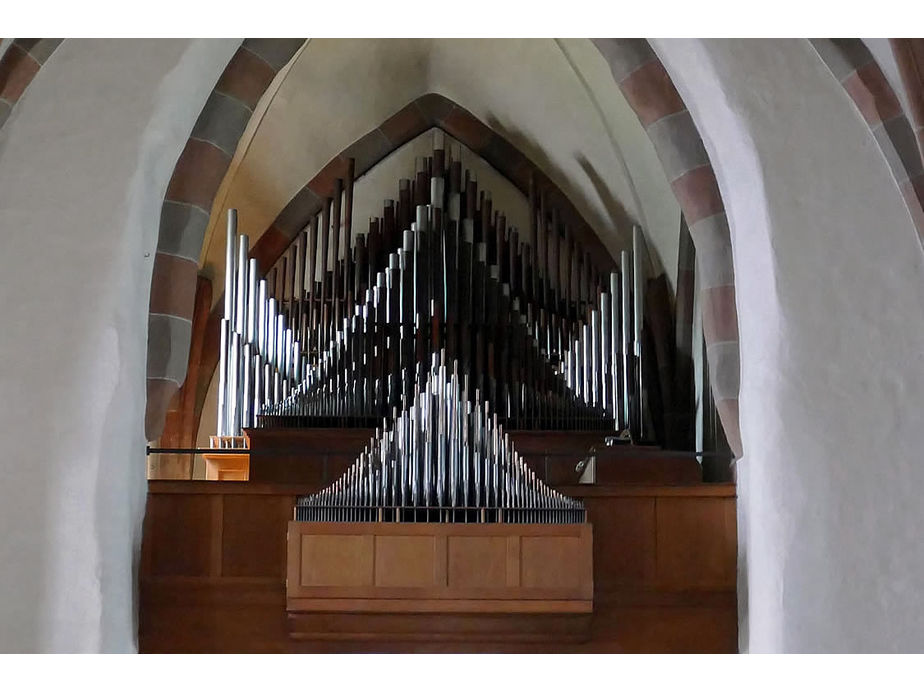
x=443 y=330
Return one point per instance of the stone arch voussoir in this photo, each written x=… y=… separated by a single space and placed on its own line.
x=855 y=68
x=651 y=93
x=185 y=214
x=19 y=66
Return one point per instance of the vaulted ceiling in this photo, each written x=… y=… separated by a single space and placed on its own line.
x=553 y=100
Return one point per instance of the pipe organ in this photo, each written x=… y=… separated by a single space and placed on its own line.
x=348 y=329
x=446 y=332
x=386 y=389
x=446 y=458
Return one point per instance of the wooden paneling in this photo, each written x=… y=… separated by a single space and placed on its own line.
x=253 y=535
x=664 y=578
x=314 y=456
x=335 y=560
x=406 y=561
x=412 y=564
x=625 y=541
x=178 y=532
x=477 y=561
x=696 y=543
x=553 y=562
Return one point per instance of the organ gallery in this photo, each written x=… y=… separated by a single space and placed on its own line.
x=464 y=372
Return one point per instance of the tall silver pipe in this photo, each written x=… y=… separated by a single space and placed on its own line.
x=246 y=394
x=222 y=424
x=257 y=388
x=252 y=301
x=262 y=306
x=626 y=332
x=288 y=363
x=594 y=358
x=586 y=363
x=234 y=369
x=271 y=331
x=614 y=347
x=230 y=263
x=240 y=315
x=268 y=390
x=638 y=308
x=606 y=353
x=280 y=342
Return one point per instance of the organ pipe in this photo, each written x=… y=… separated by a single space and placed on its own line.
x=348 y=327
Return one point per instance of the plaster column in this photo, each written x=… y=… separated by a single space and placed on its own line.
x=85 y=158
x=830 y=279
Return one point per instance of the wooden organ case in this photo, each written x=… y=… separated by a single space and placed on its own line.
x=413 y=402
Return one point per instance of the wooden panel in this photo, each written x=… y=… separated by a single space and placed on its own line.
x=405 y=561
x=411 y=565
x=253 y=535
x=336 y=560
x=550 y=561
x=313 y=456
x=513 y=561
x=696 y=543
x=624 y=543
x=477 y=561
x=427 y=628
x=188 y=605
x=179 y=537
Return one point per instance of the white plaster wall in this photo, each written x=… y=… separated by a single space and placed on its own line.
x=830 y=282
x=84 y=162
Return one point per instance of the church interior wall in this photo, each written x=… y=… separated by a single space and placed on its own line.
x=80 y=192
x=829 y=284
x=829 y=274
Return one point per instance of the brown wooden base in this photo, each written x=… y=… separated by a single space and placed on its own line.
x=367 y=580
x=440 y=628
x=214 y=567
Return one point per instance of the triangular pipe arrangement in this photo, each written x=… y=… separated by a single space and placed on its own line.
x=446 y=458
x=340 y=334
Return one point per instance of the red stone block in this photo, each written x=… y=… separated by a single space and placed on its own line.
x=368 y=150
x=720 y=314
x=173 y=286
x=269 y=247
x=160 y=392
x=17 y=68
x=198 y=173
x=651 y=93
x=322 y=184
x=468 y=129
x=405 y=124
x=872 y=94
x=245 y=78
x=698 y=194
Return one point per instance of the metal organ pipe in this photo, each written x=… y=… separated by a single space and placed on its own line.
x=428 y=322
x=638 y=296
